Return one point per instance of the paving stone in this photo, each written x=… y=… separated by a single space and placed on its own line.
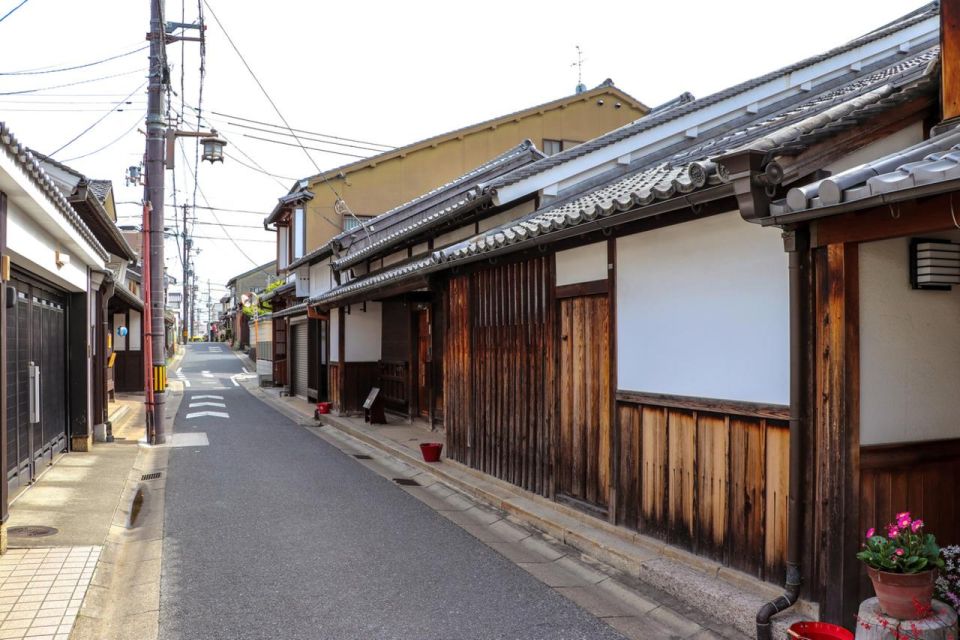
x=554 y=575
x=595 y=600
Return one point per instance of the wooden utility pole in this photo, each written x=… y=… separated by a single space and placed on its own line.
x=153 y=201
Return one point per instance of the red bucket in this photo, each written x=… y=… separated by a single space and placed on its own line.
x=431 y=451
x=323 y=407
x=820 y=631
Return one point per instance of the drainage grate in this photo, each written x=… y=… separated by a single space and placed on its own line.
x=362 y=456
x=31 y=532
x=151 y=476
x=407 y=482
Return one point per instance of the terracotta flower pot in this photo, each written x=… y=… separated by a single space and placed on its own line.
x=903 y=595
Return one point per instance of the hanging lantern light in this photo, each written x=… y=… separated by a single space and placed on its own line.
x=213 y=148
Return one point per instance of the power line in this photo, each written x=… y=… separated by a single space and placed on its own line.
x=99 y=120
x=71 y=84
x=207 y=208
x=7 y=14
x=111 y=143
x=35 y=72
x=284 y=133
x=300 y=144
x=253 y=168
x=312 y=133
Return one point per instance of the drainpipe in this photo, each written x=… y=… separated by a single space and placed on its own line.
x=795 y=243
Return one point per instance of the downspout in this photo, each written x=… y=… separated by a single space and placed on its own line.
x=754 y=178
x=795 y=243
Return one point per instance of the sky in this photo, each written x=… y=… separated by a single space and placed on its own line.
x=387 y=73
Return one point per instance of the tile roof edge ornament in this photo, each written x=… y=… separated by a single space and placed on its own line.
x=302 y=194
x=22 y=155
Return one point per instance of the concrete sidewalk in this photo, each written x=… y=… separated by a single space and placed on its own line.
x=685 y=596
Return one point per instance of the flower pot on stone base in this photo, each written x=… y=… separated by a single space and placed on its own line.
x=905 y=596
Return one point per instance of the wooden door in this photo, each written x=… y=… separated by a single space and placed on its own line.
x=584 y=471
x=424 y=342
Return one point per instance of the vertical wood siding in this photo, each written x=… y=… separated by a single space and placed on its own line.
x=498 y=372
x=358 y=378
x=714 y=483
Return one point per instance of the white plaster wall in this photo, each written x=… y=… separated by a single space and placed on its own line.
x=135 y=330
x=702 y=310
x=909 y=350
x=909 y=135
x=363 y=332
x=582 y=264
x=34 y=249
x=334 y=335
x=321 y=278
x=458 y=234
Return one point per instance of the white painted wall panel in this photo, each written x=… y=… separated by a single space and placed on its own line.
x=364 y=333
x=702 y=310
x=582 y=264
x=909 y=350
x=119 y=341
x=34 y=249
x=334 y=335
x=135 y=330
x=321 y=278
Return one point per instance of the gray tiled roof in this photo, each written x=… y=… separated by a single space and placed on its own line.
x=319 y=253
x=100 y=189
x=430 y=209
x=930 y=162
x=657 y=118
x=694 y=168
x=299 y=194
x=376 y=280
x=31 y=166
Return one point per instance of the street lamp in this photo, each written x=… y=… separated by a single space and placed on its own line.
x=212 y=143
x=213 y=148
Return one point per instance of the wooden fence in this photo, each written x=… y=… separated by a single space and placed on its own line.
x=348 y=392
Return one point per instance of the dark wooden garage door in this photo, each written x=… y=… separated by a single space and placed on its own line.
x=36 y=333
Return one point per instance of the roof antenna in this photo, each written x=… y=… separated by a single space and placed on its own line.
x=579 y=65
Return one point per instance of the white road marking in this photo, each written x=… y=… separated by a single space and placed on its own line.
x=206 y=374
x=234 y=381
x=194 y=405
x=209 y=414
x=203 y=396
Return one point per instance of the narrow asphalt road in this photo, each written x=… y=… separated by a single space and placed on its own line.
x=270 y=532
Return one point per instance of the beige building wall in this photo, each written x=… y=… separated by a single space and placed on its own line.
x=376 y=187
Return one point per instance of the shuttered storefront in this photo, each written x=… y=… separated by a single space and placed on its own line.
x=301 y=355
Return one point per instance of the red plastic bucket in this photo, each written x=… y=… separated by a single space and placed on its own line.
x=431 y=451
x=323 y=407
x=820 y=631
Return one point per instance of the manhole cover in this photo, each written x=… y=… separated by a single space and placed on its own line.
x=362 y=456
x=406 y=482
x=150 y=476
x=31 y=532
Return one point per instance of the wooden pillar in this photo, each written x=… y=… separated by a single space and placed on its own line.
x=4 y=444
x=837 y=431
x=950 y=57
x=341 y=359
x=614 y=474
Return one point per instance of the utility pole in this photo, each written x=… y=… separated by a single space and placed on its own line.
x=154 y=200
x=186 y=277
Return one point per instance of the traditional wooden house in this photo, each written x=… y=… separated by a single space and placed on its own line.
x=636 y=349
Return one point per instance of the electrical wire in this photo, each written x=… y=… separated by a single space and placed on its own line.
x=300 y=144
x=207 y=208
x=36 y=72
x=8 y=13
x=311 y=133
x=99 y=120
x=284 y=133
x=286 y=124
x=71 y=84
x=112 y=142
x=253 y=168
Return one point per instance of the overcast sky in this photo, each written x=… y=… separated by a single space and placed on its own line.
x=384 y=72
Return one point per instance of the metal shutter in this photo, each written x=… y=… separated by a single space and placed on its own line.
x=301 y=353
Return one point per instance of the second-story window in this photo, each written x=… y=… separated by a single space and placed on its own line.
x=353 y=222
x=552 y=147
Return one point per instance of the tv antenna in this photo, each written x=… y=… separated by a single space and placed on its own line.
x=579 y=65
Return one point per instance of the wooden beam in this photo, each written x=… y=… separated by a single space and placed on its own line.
x=710 y=405
x=837 y=431
x=592 y=288
x=611 y=283
x=912 y=217
x=950 y=58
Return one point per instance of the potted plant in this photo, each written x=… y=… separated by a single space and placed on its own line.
x=948 y=583
x=903 y=567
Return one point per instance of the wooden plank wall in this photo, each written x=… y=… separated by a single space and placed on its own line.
x=500 y=373
x=358 y=378
x=395 y=384
x=919 y=477
x=715 y=483
x=333 y=382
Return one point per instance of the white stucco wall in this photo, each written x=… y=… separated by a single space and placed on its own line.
x=334 y=335
x=702 y=310
x=582 y=264
x=363 y=333
x=33 y=248
x=909 y=350
x=321 y=278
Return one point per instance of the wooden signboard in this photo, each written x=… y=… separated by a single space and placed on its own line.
x=373 y=407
